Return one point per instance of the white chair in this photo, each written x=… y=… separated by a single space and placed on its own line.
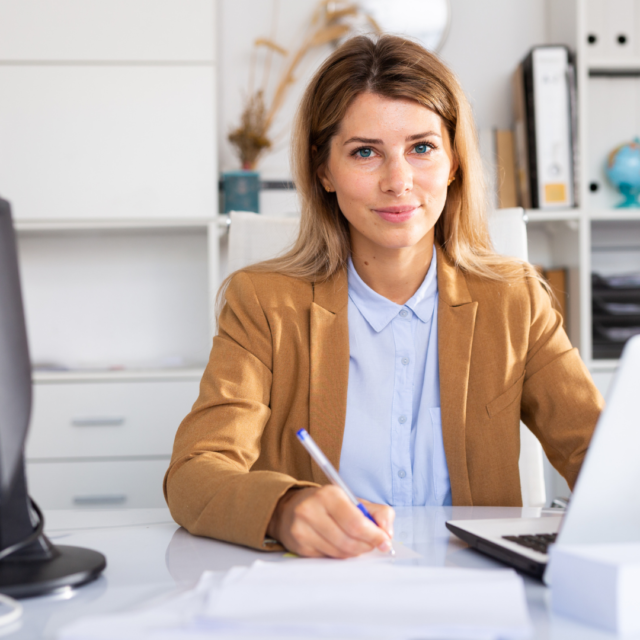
x=508 y=231
x=255 y=237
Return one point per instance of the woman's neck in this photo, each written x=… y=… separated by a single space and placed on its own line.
x=395 y=274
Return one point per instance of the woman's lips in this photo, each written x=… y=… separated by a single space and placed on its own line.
x=400 y=213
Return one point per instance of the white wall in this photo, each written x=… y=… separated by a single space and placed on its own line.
x=487 y=40
x=240 y=22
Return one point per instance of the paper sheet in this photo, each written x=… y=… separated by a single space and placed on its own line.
x=370 y=600
x=310 y=599
x=402 y=552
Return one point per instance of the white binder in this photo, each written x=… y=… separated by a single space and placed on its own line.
x=553 y=140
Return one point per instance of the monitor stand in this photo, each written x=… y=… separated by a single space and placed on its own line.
x=37 y=567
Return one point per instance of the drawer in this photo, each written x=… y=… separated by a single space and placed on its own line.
x=97 y=484
x=108 y=419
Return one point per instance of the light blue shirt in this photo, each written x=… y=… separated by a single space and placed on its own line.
x=392 y=451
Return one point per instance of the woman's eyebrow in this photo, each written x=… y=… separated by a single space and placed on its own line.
x=415 y=136
x=364 y=140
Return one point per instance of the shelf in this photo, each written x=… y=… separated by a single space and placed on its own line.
x=605 y=366
x=544 y=215
x=614 y=214
x=131 y=375
x=114 y=224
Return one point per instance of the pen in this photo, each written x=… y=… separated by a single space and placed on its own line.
x=329 y=470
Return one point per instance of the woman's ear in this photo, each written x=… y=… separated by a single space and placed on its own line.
x=324 y=179
x=455 y=165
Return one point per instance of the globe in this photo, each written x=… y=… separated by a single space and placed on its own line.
x=623 y=171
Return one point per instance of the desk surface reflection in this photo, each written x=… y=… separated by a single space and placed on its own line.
x=148 y=556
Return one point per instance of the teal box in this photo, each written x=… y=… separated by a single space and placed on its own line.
x=241 y=191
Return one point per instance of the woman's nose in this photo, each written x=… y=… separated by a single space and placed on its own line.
x=397 y=177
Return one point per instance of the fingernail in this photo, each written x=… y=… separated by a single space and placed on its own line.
x=385 y=546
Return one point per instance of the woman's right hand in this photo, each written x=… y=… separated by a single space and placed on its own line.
x=322 y=522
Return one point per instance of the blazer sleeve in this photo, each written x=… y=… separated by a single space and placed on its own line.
x=560 y=403
x=209 y=486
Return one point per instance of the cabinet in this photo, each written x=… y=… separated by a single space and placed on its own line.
x=108 y=156
x=595 y=236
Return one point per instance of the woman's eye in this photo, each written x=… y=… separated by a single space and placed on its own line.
x=421 y=148
x=365 y=152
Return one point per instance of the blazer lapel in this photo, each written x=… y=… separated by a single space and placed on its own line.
x=456 y=322
x=329 y=377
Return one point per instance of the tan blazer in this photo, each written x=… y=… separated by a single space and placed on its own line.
x=280 y=362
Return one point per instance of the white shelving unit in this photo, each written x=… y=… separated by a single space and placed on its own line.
x=605 y=35
x=108 y=156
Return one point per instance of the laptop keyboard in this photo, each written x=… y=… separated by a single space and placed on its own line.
x=536 y=541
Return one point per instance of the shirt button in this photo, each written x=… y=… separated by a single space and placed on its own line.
x=405 y=361
x=402 y=473
x=402 y=419
x=404 y=313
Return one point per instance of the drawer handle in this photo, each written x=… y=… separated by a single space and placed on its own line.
x=106 y=499
x=104 y=421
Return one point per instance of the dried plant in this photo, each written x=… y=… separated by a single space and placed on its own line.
x=250 y=137
x=332 y=21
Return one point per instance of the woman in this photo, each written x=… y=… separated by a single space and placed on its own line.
x=391 y=331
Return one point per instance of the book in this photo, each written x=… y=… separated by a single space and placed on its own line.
x=558 y=282
x=557 y=279
x=497 y=151
x=521 y=138
x=505 y=169
x=487 y=147
x=544 y=128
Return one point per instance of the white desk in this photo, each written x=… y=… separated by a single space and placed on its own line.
x=149 y=555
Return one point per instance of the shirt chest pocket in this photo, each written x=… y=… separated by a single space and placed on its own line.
x=512 y=395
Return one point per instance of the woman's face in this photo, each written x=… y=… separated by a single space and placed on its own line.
x=389 y=165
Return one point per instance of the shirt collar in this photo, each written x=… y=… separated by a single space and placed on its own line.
x=379 y=311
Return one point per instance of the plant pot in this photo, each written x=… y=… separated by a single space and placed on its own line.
x=241 y=191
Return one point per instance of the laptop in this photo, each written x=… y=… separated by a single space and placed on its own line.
x=604 y=507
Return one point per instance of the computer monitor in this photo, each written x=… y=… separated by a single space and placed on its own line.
x=29 y=564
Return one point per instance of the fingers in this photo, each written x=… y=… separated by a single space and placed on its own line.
x=342 y=525
x=383 y=514
x=323 y=522
x=321 y=537
x=350 y=519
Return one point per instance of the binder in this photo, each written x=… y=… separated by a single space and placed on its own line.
x=545 y=140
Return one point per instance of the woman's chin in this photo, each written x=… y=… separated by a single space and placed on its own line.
x=402 y=246
x=404 y=241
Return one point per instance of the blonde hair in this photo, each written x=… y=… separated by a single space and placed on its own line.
x=392 y=67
